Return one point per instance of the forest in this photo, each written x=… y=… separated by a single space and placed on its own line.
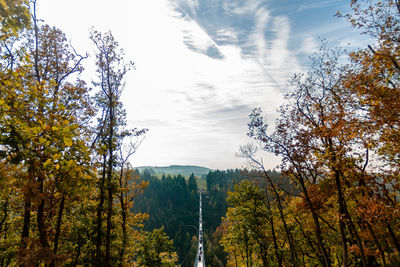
x=70 y=197
x=172 y=203
x=66 y=185
x=338 y=137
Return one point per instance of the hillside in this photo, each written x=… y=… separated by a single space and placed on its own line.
x=184 y=170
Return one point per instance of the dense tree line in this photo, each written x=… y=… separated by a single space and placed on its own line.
x=215 y=207
x=66 y=188
x=218 y=183
x=338 y=137
x=172 y=203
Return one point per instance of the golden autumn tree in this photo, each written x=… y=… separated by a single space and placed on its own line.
x=14 y=16
x=374 y=81
x=338 y=138
x=54 y=178
x=44 y=110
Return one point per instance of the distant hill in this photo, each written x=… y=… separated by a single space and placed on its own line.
x=184 y=170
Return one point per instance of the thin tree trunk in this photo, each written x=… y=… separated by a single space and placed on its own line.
x=58 y=229
x=109 y=181
x=263 y=252
x=341 y=223
x=40 y=218
x=353 y=230
x=317 y=227
x=271 y=220
x=124 y=235
x=394 y=238
x=236 y=259
x=247 y=249
x=343 y=211
x=309 y=241
x=388 y=251
x=109 y=226
x=98 y=259
x=27 y=210
x=280 y=208
x=27 y=221
x=381 y=252
x=123 y=224
x=5 y=210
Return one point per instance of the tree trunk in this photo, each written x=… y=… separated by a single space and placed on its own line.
x=353 y=230
x=341 y=223
x=98 y=259
x=271 y=220
x=123 y=225
x=247 y=249
x=27 y=220
x=381 y=252
x=109 y=180
x=394 y=238
x=263 y=252
x=280 y=208
x=5 y=210
x=317 y=227
x=27 y=211
x=40 y=217
x=344 y=212
x=109 y=226
x=58 y=229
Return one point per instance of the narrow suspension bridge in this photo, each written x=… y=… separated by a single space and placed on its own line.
x=200 y=249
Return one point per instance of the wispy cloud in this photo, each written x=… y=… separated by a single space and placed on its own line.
x=317 y=5
x=242 y=7
x=202 y=65
x=308 y=46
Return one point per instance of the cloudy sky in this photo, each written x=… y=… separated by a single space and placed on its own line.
x=203 y=65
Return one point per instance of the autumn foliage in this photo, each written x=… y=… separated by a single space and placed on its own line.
x=338 y=135
x=66 y=186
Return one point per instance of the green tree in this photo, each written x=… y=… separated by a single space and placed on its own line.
x=156 y=250
x=192 y=185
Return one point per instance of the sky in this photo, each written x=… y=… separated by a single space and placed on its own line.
x=203 y=65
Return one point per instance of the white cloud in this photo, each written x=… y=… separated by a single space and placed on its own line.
x=193 y=4
x=227 y=35
x=319 y=4
x=262 y=17
x=242 y=7
x=308 y=46
x=195 y=106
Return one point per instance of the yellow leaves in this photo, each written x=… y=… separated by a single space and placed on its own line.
x=47 y=163
x=65 y=122
x=42 y=141
x=56 y=156
x=35 y=130
x=67 y=141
